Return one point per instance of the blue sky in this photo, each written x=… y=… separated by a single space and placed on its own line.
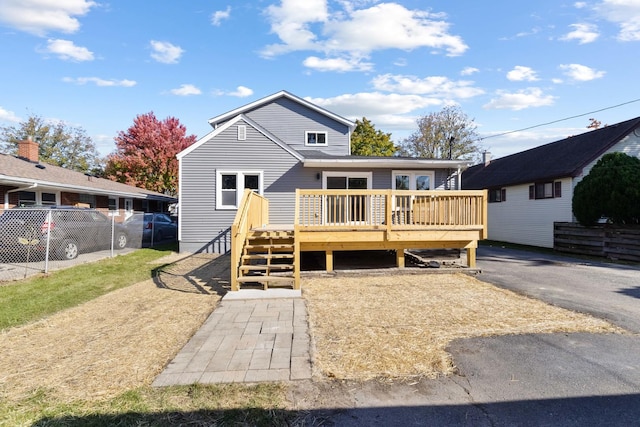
x=508 y=64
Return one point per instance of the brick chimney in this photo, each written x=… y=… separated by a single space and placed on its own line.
x=28 y=149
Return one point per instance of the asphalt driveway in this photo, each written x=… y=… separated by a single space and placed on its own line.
x=605 y=290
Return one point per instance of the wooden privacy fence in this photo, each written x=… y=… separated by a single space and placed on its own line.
x=604 y=240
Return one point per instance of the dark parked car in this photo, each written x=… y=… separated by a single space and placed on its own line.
x=71 y=231
x=147 y=229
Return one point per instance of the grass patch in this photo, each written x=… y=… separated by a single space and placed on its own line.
x=199 y=405
x=400 y=326
x=34 y=298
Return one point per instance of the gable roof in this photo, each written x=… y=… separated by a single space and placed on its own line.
x=225 y=126
x=17 y=172
x=215 y=121
x=560 y=159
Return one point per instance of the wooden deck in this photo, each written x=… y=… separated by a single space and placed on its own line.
x=341 y=220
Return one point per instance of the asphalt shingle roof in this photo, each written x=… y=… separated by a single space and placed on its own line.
x=12 y=167
x=564 y=158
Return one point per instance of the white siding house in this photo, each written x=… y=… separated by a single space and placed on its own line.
x=530 y=190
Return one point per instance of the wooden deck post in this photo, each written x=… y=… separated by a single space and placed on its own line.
x=400 y=257
x=329 y=260
x=471 y=257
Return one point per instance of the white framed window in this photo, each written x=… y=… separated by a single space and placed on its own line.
x=33 y=198
x=315 y=138
x=242 y=133
x=412 y=180
x=230 y=186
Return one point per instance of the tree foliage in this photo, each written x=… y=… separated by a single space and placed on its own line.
x=610 y=190
x=146 y=154
x=447 y=134
x=59 y=144
x=367 y=141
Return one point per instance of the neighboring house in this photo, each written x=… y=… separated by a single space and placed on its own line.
x=530 y=190
x=24 y=181
x=274 y=146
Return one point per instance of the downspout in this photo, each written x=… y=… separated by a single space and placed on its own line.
x=459 y=179
x=6 y=195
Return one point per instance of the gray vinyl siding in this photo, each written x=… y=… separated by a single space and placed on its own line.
x=205 y=229
x=289 y=121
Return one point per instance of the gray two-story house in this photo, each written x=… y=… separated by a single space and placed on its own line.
x=274 y=146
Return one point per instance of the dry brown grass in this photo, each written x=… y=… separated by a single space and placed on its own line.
x=400 y=325
x=114 y=343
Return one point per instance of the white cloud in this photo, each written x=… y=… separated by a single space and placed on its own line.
x=521 y=73
x=581 y=73
x=186 y=90
x=583 y=33
x=337 y=64
x=220 y=15
x=66 y=50
x=625 y=13
x=42 y=16
x=242 y=92
x=580 y=5
x=99 y=82
x=166 y=52
x=436 y=86
x=8 y=116
x=390 y=111
x=531 y=97
x=467 y=71
x=357 y=32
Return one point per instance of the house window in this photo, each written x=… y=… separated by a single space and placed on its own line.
x=27 y=198
x=242 y=132
x=545 y=190
x=231 y=184
x=48 y=199
x=412 y=180
x=315 y=138
x=497 y=195
x=113 y=206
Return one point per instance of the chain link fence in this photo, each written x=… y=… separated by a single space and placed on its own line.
x=35 y=240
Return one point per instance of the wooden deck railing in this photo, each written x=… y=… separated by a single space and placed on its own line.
x=253 y=212
x=391 y=210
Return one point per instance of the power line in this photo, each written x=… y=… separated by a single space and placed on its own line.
x=559 y=120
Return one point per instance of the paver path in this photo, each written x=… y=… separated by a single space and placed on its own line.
x=250 y=340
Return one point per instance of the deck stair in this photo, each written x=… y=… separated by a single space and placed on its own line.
x=268 y=259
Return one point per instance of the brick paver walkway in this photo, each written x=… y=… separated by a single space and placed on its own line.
x=251 y=340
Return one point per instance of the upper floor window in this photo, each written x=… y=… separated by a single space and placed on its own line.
x=315 y=138
x=545 y=190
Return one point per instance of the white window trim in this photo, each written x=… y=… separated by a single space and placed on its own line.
x=239 y=179
x=38 y=194
x=412 y=178
x=306 y=138
x=367 y=175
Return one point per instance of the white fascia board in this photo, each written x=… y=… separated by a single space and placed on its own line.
x=195 y=145
x=388 y=162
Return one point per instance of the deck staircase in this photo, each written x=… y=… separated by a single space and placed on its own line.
x=268 y=260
